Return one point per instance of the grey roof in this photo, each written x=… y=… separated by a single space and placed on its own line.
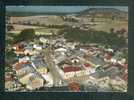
x=111 y=72
x=39 y=63
x=97 y=61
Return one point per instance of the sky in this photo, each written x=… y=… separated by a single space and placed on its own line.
x=59 y=9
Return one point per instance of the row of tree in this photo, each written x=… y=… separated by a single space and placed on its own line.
x=88 y=36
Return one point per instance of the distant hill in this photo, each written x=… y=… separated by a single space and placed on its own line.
x=103 y=12
x=91 y=12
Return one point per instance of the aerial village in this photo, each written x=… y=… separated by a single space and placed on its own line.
x=53 y=63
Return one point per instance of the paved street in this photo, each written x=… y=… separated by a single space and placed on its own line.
x=51 y=66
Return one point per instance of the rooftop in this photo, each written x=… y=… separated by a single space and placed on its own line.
x=71 y=69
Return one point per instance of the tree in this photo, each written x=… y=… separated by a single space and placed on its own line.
x=26 y=35
x=112 y=30
x=9 y=56
x=10 y=27
x=87 y=36
x=8 y=67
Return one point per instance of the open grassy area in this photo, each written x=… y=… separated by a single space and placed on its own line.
x=107 y=26
x=43 y=31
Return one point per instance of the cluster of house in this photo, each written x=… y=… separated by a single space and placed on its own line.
x=106 y=84
x=30 y=69
x=70 y=60
x=24 y=49
x=74 y=59
x=10 y=83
